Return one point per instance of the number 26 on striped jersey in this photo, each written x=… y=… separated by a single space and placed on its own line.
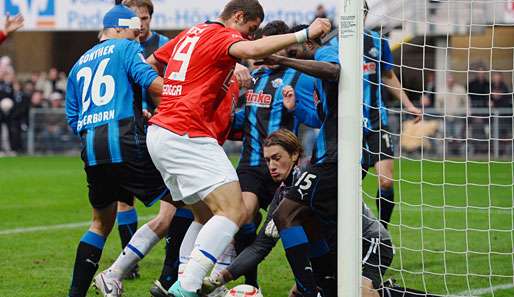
x=98 y=79
x=182 y=53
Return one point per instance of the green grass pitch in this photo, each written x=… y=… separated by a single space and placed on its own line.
x=440 y=245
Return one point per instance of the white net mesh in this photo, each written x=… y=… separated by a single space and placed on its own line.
x=453 y=221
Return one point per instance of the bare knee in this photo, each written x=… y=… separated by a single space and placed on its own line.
x=102 y=226
x=385 y=182
x=103 y=220
x=122 y=206
x=161 y=223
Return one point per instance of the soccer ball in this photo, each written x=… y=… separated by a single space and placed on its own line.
x=244 y=291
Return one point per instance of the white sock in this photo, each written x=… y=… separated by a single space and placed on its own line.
x=224 y=260
x=188 y=243
x=212 y=240
x=141 y=243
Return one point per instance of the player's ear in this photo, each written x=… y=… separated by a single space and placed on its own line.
x=295 y=157
x=239 y=17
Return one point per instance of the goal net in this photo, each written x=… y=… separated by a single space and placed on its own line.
x=452 y=225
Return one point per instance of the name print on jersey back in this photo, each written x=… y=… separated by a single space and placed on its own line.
x=99 y=78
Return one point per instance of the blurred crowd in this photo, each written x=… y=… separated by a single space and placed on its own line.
x=18 y=95
x=480 y=110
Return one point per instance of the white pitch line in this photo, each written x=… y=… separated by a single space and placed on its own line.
x=482 y=291
x=53 y=227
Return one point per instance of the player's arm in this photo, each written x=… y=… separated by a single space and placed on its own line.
x=306 y=111
x=11 y=25
x=264 y=47
x=393 y=85
x=72 y=106
x=320 y=69
x=155 y=90
x=156 y=64
x=392 y=82
x=142 y=73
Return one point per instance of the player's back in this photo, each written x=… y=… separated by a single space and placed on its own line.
x=102 y=103
x=197 y=79
x=325 y=149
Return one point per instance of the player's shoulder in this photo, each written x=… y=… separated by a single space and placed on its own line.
x=327 y=53
x=162 y=39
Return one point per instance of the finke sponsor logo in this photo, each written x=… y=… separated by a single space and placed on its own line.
x=258 y=99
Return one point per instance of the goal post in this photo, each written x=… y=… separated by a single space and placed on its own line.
x=452 y=226
x=350 y=23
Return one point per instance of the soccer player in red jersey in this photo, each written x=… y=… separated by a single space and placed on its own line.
x=184 y=139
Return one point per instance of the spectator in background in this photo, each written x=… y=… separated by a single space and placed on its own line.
x=51 y=82
x=479 y=92
x=452 y=103
x=501 y=102
x=479 y=89
x=56 y=100
x=19 y=117
x=6 y=102
x=37 y=100
x=321 y=12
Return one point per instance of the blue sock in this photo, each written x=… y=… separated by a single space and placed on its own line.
x=127 y=225
x=296 y=245
x=88 y=255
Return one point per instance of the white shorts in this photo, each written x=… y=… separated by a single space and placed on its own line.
x=191 y=167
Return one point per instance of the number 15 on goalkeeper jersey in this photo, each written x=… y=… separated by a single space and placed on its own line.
x=103 y=101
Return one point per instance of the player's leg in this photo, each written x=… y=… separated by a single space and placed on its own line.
x=320 y=255
x=385 y=192
x=127 y=226
x=103 y=187
x=179 y=226
x=382 y=149
x=226 y=204
x=247 y=233
x=90 y=249
x=288 y=219
x=145 y=238
x=377 y=256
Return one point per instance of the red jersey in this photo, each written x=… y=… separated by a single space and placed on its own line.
x=198 y=77
x=2 y=36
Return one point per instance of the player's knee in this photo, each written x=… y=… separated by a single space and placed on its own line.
x=101 y=227
x=386 y=183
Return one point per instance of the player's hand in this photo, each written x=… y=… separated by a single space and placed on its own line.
x=13 y=24
x=289 y=98
x=270 y=60
x=271 y=230
x=243 y=76
x=148 y=115
x=319 y=28
x=413 y=110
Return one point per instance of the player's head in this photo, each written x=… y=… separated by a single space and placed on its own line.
x=144 y=10
x=121 y=22
x=275 y=28
x=304 y=50
x=282 y=150
x=244 y=16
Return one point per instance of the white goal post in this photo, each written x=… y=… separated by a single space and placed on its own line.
x=350 y=22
